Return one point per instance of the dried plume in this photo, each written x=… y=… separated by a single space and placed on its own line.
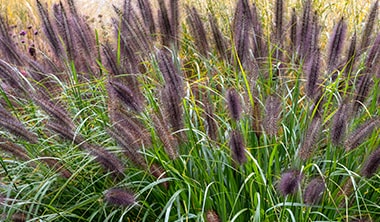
x=336 y=44
x=311 y=138
x=272 y=115
x=174 y=20
x=170 y=73
x=372 y=18
x=339 y=124
x=64 y=28
x=237 y=147
x=312 y=74
x=289 y=182
x=361 y=133
x=372 y=164
x=305 y=28
x=119 y=197
x=373 y=55
x=314 y=191
x=198 y=30
x=172 y=106
x=166 y=29
x=234 y=103
x=11 y=76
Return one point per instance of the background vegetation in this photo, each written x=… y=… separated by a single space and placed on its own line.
x=190 y=111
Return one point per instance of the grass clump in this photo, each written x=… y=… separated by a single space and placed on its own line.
x=177 y=116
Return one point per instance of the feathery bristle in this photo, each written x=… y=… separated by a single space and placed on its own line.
x=119 y=197
x=289 y=182
x=18 y=129
x=336 y=45
x=372 y=164
x=64 y=131
x=237 y=147
x=339 y=125
x=63 y=28
x=272 y=115
x=314 y=191
x=305 y=28
x=198 y=30
x=172 y=104
x=234 y=104
x=260 y=47
x=312 y=74
x=361 y=133
x=311 y=138
x=369 y=25
x=174 y=20
x=373 y=55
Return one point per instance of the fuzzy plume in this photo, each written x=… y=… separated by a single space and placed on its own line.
x=314 y=191
x=272 y=115
x=170 y=143
x=372 y=17
x=212 y=127
x=351 y=56
x=372 y=164
x=293 y=32
x=15 y=126
x=119 y=197
x=312 y=74
x=258 y=38
x=146 y=13
x=170 y=73
x=241 y=28
x=310 y=139
x=125 y=95
x=7 y=46
x=305 y=28
x=279 y=15
x=336 y=44
x=63 y=28
x=220 y=41
x=165 y=25
x=237 y=147
x=339 y=124
x=55 y=164
x=49 y=30
x=362 y=90
x=234 y=104
x=198 y=30
x=108 y=160
x=11 y=76
x=289 y=182
x=13 y=148
x=361 y=133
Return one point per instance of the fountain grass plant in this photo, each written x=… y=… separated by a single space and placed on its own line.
x=180 y=114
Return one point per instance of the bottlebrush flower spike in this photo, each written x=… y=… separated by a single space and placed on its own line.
x=314 y=191
x=372 y=164
x=289 y=182
x=234 y=104
x=361 y=133
x=119 y=197
x=237 y=147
